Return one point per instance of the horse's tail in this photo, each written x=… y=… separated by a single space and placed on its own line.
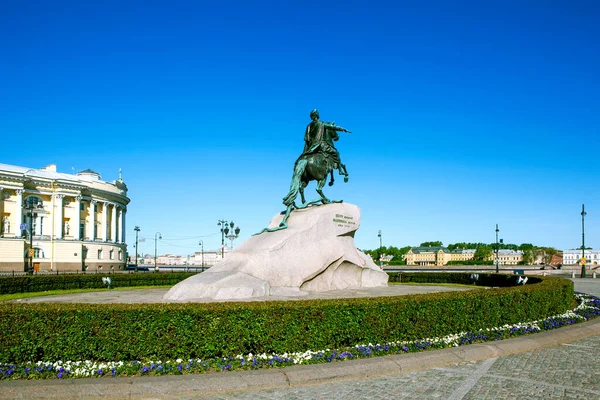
x=296 y=182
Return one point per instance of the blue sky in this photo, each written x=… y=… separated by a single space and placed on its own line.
x=463 y=114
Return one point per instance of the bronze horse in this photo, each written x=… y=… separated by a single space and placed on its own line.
x=312 y=167
x=315 y=166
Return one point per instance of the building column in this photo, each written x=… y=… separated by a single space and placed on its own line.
x=119 y=233
x=105 y=221
x=123 y=214
x=77 y=226
x=92 y=227
x=18 y=218
x=113 y=221
x=58 y=226
x=2 y=233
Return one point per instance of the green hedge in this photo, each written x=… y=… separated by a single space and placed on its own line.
x=42 y=283
x=113 y=332
x=478 y=279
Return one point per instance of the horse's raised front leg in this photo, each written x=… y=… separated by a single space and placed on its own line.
x=343 y=171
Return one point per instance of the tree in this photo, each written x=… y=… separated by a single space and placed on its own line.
x=526 y=246
x=528 y=256
x=483 y=252
x=437 y=243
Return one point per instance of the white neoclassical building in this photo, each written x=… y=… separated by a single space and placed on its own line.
x=51 y=221
x=574 y=256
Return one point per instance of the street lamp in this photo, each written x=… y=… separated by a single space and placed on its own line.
x=201 y=243
x=497 y=254
x=235 y=233
x=137 y=230
x=157 y=236
x=225 y=225
x=583 y=214
x=380 y=247
x=31 y=206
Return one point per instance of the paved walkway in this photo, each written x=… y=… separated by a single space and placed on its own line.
x=156 y=295
x=559 y=364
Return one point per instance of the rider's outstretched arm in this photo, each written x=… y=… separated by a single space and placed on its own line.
x=335 y=127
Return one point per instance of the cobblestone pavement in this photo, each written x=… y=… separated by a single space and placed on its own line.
x=564 y=372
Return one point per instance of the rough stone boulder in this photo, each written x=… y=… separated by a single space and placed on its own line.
x=316 y=253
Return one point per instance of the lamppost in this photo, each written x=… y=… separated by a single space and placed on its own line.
x=583 y=214
x=225 y=234
x=235 y=233
x=137 y=230
x=31 y=206
x=380 y=247
x=201 y=243
x=157 y=236
x=496 y=250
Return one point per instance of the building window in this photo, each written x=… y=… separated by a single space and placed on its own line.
x=95 y=207
x=38 y=253
x=82 y=230
x=121 y=255
x=111 y=254
x=95 y=232
x=34 y=201
x=100 y=254
x=81 y=206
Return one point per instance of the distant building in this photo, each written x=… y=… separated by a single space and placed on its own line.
x=439 y=256
x=210 y=257
x=573 y=257
x=432 y=256
x=68 y=222
x=557 y=259
x=509 y=257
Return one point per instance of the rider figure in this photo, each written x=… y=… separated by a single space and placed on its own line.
x=319 y=138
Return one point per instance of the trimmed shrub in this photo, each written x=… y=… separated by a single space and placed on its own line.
x=124 y=332
x=42 y=283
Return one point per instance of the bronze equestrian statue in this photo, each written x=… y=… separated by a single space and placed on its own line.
x=317 y=161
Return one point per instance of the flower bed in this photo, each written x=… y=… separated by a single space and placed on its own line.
x=127 y=332
x=589 y=307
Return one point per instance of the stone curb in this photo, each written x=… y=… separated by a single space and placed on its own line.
x=179 y=386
